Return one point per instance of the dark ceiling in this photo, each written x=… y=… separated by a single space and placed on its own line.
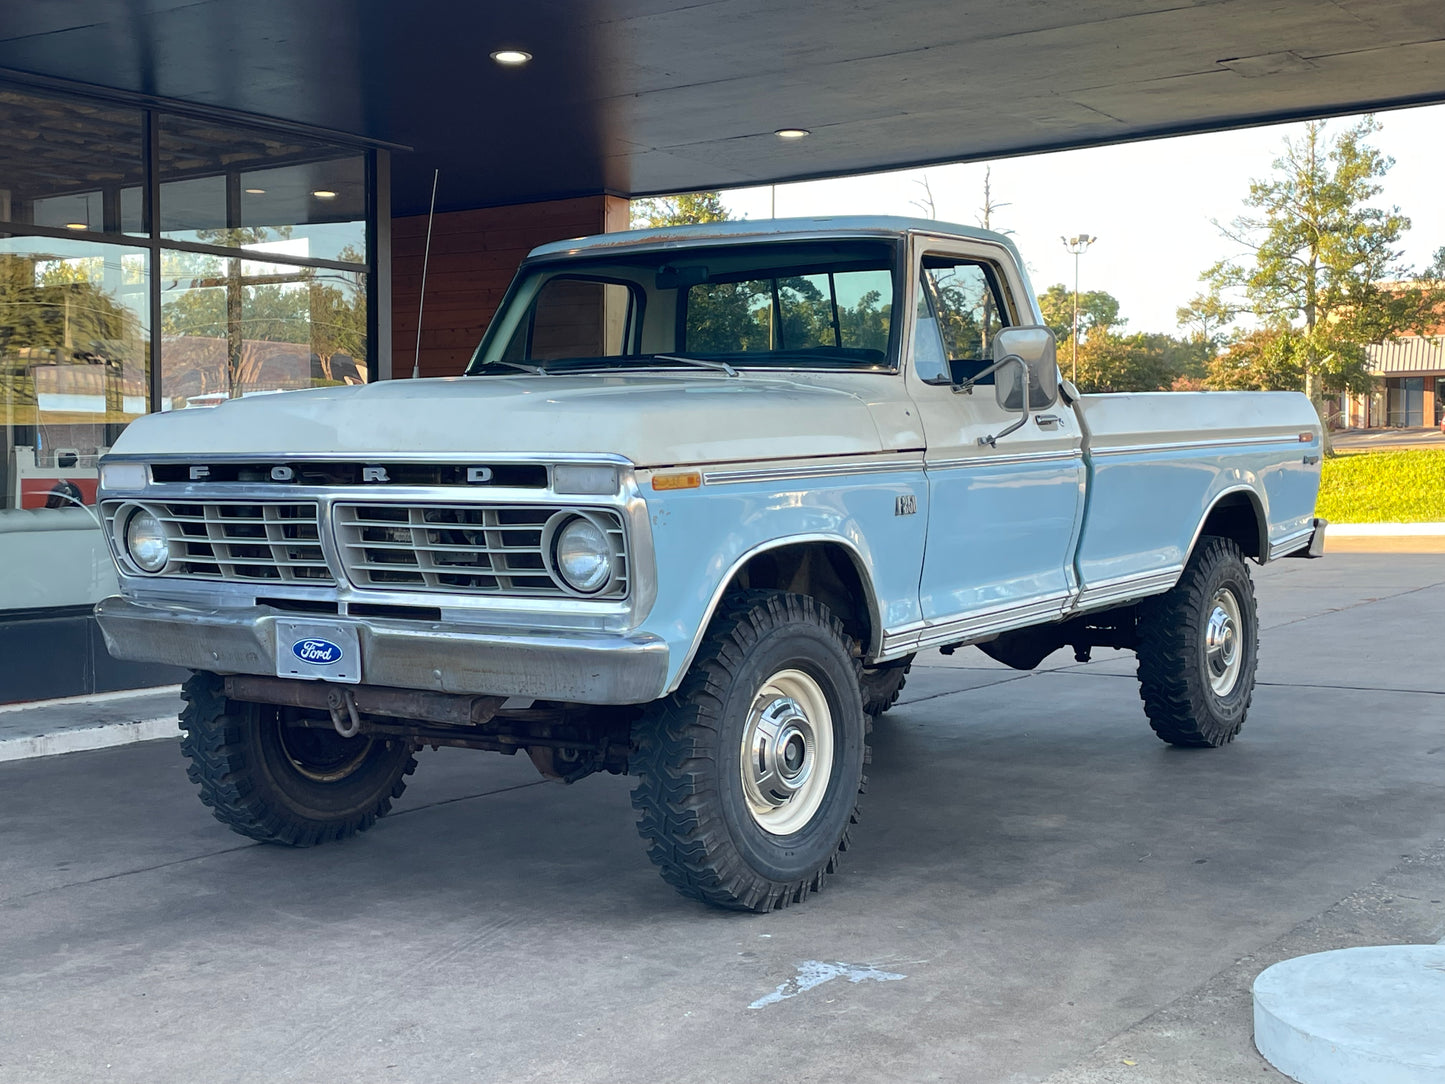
x=642 y=96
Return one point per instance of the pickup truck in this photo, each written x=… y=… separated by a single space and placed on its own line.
x=697 y=501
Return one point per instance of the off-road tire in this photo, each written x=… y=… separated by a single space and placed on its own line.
x=881 y=685
x=240 y=761
x=693 y=811
x=1174 y=672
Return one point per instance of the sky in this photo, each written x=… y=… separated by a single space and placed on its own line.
x=1150 y=204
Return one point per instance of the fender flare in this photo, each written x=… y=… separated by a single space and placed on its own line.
x=1260 y=516
x=875 y=617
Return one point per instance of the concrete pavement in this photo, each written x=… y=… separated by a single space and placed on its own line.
x=1065 y=898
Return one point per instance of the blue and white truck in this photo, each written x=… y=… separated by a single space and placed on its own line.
x=698 y=500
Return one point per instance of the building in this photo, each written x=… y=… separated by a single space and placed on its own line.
x=1411 y=386
x=213 y=199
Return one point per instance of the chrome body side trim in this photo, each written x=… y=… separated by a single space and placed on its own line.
x=1126 y=588
x=1005 y=460
x=1298 y=541
x=1194 y=445
x=973 y=626
x=843 y=468
x=578 y=667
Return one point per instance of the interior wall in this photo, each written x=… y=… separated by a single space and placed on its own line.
x=474 y=255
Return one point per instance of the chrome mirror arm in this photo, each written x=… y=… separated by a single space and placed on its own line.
x=992 y=441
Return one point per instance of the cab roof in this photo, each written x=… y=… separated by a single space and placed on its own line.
x=768 y=229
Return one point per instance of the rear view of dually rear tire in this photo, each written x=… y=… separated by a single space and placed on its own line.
x=278 y=782
x=1198 y=647
x=749 y=774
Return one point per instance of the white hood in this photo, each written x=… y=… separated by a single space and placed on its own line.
x=652 y=419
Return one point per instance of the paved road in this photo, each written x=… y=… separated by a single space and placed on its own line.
x=1357 y=440
x=1064 y=897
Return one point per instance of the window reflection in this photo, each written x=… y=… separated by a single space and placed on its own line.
x=68 y=164
x=241 y=188
x=232 y=327
x=74 y=356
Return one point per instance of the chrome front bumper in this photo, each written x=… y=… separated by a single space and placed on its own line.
x=584 y=668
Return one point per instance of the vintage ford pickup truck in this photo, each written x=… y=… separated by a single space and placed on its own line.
x=697 y=501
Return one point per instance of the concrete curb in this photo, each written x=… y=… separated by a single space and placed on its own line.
x=81 y=739
x=1385 y=538
x=1384 y=530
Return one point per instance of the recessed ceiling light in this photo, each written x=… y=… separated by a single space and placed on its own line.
x=792 y=133
x=255 y=191
x=511 y=58
x=324 y=193
x=77 y=225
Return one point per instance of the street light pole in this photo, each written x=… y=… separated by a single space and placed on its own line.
x=1077 y=245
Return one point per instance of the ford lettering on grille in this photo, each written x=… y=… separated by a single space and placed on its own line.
x=319 y=652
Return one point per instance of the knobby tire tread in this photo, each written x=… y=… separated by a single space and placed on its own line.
x=678 y=817
x=223 y=766
x=1171 y=684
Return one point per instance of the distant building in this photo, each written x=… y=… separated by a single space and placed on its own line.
x=1411 y=387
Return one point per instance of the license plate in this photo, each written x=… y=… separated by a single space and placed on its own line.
x=318 y=650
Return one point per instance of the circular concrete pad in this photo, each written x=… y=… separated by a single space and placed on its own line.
x=1371 y=1015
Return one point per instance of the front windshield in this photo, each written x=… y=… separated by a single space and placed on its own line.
x=823 y=304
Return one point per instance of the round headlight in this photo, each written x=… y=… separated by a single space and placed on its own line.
x=583 y=556
x=145 y=541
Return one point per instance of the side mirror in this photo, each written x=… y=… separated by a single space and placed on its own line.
x=1035 y=348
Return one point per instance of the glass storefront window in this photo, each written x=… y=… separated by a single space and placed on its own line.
x=232 y=327
x=71 y=164
x=240 y=188
x=74 y=361
x=257 y=266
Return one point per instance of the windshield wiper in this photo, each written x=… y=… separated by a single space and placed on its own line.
x=702 y=363
x=535 y=370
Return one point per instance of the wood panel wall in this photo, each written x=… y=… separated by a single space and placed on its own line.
x=473 y=257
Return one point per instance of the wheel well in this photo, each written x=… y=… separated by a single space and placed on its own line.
x=824 y=570
x=1237 y=517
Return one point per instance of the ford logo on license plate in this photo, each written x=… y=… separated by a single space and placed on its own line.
x=317 y=652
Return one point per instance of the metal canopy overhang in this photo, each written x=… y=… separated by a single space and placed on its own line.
x=634 y=97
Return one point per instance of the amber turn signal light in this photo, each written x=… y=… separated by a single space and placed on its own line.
x=681 y=480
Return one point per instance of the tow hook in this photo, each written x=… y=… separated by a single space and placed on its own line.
x=348 y=725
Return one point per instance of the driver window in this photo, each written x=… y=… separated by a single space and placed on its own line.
x=573 y=317
x=968 y=309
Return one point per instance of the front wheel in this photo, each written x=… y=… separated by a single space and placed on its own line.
x=1198 y=648
x=278 y=782
x=749 y=775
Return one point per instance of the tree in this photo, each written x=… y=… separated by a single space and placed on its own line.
x=1206 y=319
x=1321 y=271
x=1144 y=361
x=685 y=209
x=1266 y=359
x=1097 y=309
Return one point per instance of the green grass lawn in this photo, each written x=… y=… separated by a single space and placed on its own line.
x=1406 y=486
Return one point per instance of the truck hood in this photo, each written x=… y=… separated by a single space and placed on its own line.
x=652 y=419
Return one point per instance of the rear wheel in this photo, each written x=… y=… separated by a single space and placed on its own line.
x=278 y=782
x=749 y=775
x=881 y=685
x=1198 y=649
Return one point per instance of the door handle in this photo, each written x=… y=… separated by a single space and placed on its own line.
x=1048 y=421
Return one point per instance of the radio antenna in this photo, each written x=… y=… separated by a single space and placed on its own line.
x=426 y=256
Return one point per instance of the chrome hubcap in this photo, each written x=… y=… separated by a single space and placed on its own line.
x=787 y=752
x=1223 y=652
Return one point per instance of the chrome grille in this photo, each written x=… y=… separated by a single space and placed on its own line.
x=489 y=549
x=245 y=542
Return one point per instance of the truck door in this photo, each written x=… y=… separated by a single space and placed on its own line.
x=1004 y=519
